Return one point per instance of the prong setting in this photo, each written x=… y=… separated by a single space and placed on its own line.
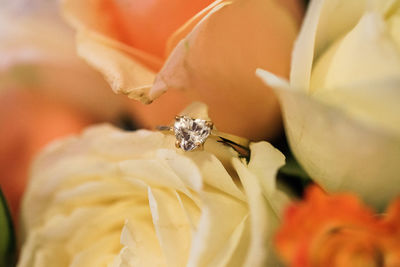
x=210 y=124
x=177 y=144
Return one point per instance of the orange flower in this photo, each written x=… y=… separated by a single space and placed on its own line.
x=338 y=230
x=46 y=91
x=209 y=50
x=28 y=122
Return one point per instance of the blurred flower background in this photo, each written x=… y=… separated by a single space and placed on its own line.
x=46 y=91
x=317 y=79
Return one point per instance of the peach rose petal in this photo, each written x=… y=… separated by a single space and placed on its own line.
x=38 y=53
x=295 y=8
x=147 y=25
x=217 y=59
x=131 y=71
x=218 y=67
x=184 y=30
x=124 y=74
x=29 y=121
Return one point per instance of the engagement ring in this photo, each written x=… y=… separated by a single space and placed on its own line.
x=191 y=134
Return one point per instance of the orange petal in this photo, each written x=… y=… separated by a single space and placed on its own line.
x=125 y=40
x=29 y=121
x=186 y=28
x=38 y=52
x=147 y=25
x=216 y=62
x=331 y=230
x=392 y=217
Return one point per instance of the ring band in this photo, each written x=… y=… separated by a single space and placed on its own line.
x=191 y=134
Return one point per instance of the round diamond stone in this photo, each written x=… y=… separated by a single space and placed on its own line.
x=191 y=133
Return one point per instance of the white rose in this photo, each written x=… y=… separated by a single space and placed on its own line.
x=167 y=207
x=341 y=108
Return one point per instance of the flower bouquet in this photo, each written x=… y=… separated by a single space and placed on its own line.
x=199 y=133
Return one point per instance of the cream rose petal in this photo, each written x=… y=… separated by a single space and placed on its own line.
x=340 y=108
x=334 y=147
x=169 y=208
x=142 y=248
x=212 y=167
x=267 y=217
x=211 y=236
x=320 y=28
x=365 y=54
x=172 y=226
x=377 y=108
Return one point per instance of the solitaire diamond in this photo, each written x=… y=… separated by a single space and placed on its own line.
x=191 y=133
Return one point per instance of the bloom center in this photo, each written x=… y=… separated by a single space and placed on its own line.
x=191 y=133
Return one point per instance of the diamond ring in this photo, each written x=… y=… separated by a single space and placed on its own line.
x=191 y=134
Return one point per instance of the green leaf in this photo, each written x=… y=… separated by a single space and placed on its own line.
x=293 y=168
x=291 y=175
x=7 y=237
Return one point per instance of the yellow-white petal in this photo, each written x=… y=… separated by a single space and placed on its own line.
x=320 y=28
x=339 y=151
x=366 y=54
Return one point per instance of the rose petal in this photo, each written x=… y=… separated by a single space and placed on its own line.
x=259 y=191
x=101 y=251
x=336 y=147
x=154 y=173
x=131 y=71
x=376 y=108
x=367 y=53
x=210 y=245
x=184 y=30
x=211 y=167
x=184 y=168
x=59 y=229
x=225 y=71
x=172 y=215
x=172 y=226
x=124 y=74
x=38 y=52
x=320 y=28
x=264 y=163
x=141 y=246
